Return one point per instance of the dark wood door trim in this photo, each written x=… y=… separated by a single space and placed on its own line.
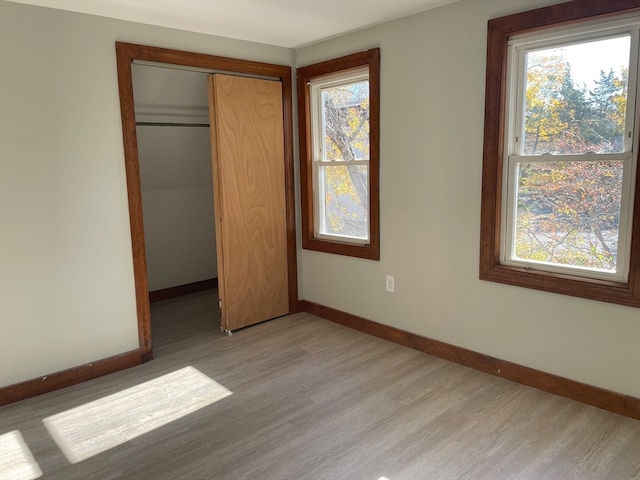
x=126 y=53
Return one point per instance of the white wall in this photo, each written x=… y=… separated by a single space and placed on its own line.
x=177 y=200
x=66 y=275
x=432 y=109
x=175 y=176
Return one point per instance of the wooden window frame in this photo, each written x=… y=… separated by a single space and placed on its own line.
x=370 y=59
x=499 y=32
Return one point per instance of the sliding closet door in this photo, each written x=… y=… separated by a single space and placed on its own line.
x=248 y=173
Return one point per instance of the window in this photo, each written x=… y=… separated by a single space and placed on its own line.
x=339 y=104
x=560 y=204
x=569 y=151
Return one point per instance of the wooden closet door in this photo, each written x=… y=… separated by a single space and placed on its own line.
x=247 y=146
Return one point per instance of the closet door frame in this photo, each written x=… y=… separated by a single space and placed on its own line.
x=126 y=53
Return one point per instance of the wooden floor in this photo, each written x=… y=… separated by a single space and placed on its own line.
x=315 y=400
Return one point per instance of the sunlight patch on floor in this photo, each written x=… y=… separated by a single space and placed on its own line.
x=95 y=427
x=16 y=460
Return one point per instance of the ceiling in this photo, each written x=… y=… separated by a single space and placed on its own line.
x=286 y=23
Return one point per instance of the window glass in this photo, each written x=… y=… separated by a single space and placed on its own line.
x=568 y=213
x=345 y=117
x=344 y=200
x=576 y=98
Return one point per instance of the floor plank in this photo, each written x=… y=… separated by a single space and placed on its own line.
x=316 y=400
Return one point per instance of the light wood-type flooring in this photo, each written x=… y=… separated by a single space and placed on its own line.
x=315 y=400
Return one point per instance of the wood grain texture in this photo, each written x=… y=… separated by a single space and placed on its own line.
x=499 y=32
x=547 y=382
x=124 y=58
x=56 y=381
x=314 y=400
x=247 y=155
x=179 y=290
x=105 y=423
x=126 y=53
x=290 y=190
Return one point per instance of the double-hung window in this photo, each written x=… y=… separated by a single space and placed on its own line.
x=571 y=151
x=338 y=106
x=340 y=144
x=560 y=167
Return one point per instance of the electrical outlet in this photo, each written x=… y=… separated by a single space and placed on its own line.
x=390 y=284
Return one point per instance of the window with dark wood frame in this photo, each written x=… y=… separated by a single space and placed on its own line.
x=500 y=30
x=305 y=76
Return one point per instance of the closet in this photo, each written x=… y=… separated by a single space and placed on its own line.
x=260 y=263
x=212 y=177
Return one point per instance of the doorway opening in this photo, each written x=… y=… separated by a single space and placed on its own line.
x=174 y=158
x=128 y=53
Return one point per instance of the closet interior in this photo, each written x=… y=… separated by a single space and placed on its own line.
x=174 y=153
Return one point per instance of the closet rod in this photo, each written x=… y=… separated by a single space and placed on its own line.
x=171 y=124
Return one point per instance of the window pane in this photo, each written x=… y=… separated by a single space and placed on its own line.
x=345 y=112
x=568 y=213
x=576 y=98
x=344 y=200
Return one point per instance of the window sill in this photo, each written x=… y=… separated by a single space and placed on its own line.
x=370 y=252
x=593 y=289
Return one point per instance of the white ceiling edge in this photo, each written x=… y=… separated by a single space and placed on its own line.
x=284 y=23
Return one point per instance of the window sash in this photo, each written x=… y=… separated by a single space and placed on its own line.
x=318 y=134
x=517 y=73
x=509 y=224
x=319 y=204
x=513 y=141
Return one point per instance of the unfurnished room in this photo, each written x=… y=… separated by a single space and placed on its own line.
x=323 y=239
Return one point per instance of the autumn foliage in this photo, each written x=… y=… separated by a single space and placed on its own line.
x=568 y=209
x=346 y=152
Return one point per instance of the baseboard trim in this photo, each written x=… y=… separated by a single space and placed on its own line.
x=55 y=381
x=631 y=407
x=564 y=387
x=179 y=290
